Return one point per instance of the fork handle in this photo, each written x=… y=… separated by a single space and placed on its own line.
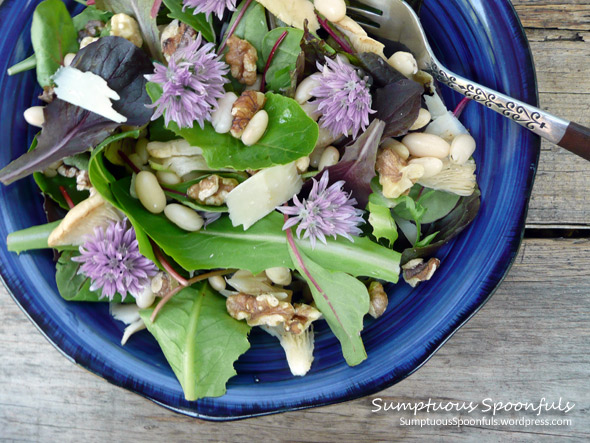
x=569 y=135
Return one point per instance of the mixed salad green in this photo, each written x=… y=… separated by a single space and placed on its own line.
x=209 y=166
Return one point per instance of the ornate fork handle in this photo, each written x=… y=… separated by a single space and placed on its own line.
x=569 y=135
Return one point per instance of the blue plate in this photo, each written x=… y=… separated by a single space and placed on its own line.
x=480 y=39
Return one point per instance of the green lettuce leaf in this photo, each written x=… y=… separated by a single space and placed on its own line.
x=284 y=62
x=383 y=224
x=200 y=340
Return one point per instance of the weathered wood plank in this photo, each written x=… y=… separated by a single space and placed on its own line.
x=530 y=341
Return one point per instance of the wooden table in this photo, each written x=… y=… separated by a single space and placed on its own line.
x=532 y=340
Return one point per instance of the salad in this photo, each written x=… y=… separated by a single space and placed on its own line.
x=210 y=166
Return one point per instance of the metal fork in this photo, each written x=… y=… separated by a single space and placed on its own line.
x=395 y=20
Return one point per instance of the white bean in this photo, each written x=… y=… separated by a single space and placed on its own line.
x=184 y=217
x=255 y=128
x=333 y=10
x=279 y=276
x=302 y=164
x=256 y=85
x=404 y=62
x=315 y=156
x=217 y=282
x=422 y=120
x=34 y=116
x=87 y=41
x=432 y=165
x=221 y=119
x=325 y=138
x=462 y=148
x=149 y=192
x=146 y=298
x=426 y=145
x=330 y=157
x=68 y=58
x=311 y=109
x=398 y=147
x=303 y=91
x=168 y=178
x=141 y=150
x=50 y=172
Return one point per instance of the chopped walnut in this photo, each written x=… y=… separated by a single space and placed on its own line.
x=92 y=29
x=83 y=181
x=241 y=58
x=48 y=94
x=267 y=310
x=213 y=190
x=176 y=36
x=248 y=104
x=378 y=298
x=67 y=171
x=162 y=283
x=416 y=271
x=395 y=174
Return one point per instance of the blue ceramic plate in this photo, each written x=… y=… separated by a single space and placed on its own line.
x=480 y=39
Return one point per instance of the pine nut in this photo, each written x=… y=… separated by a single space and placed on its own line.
x=256 y=85
x=330 y=157
x=315 y=156
x=302 y=164
x=217 y=282
x=462 y=148
x=311 y=109
x=432 y=165
x=49 y=172
x=149 y=192
x=303 y=91
x=141 y=150
x=87 y=41
x=184 y=217
x=255 y=129
x=426 y=145
x=404 y=62
x=325 y=138
x=279 y=276
x=146 y=298
x=398 y=147
x=34 y=116
x=221 y=119
x=422 y=120
x=68 y=59
x=168 y=178
x=136 y=160
x=333 y=10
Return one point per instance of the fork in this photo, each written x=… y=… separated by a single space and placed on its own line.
x=395 y=20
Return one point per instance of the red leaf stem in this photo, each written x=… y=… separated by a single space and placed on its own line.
x=66 y=197
x=167 y=266
x=234 y=26
x=127 y=160
x=461 y=107
x=324 y=24
x=156 y=8
x=270 y=57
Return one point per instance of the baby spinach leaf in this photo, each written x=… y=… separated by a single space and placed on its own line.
x=357 y=167
x=186 y=15
x=278 y=75
x=141 y=11
x=382 y=222
x=290 y=135
x=69 y=129
x=76 y=287
x=398 y=105
x=253 y=27
x=437 y=204
x=53 y=36
x=200 y=340
x=31 y=238
x=159 y=132
x=342 y=299
x=262 y=246
x=448 y=227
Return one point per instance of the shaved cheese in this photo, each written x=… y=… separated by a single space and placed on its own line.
x=258 y=196
x=172 y=148
x=88 y=91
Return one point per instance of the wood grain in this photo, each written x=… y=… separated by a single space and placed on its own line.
x=530 y=341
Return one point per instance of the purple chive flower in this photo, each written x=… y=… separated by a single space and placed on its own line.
x=328 y=211
x=343 y=97
x=210 y=6
x=112 y=261
x=191 y=84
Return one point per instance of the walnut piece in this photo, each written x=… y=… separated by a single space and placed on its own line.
x=162 y=283
x=416 y=271
x=176 y=36
x=241 y=58
x=67 y=171
x=267 y=310
x=248 y=104
x=213 y=190
x=395 y=174
x=379 y=299
x=83 y=181
x=48 y=94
